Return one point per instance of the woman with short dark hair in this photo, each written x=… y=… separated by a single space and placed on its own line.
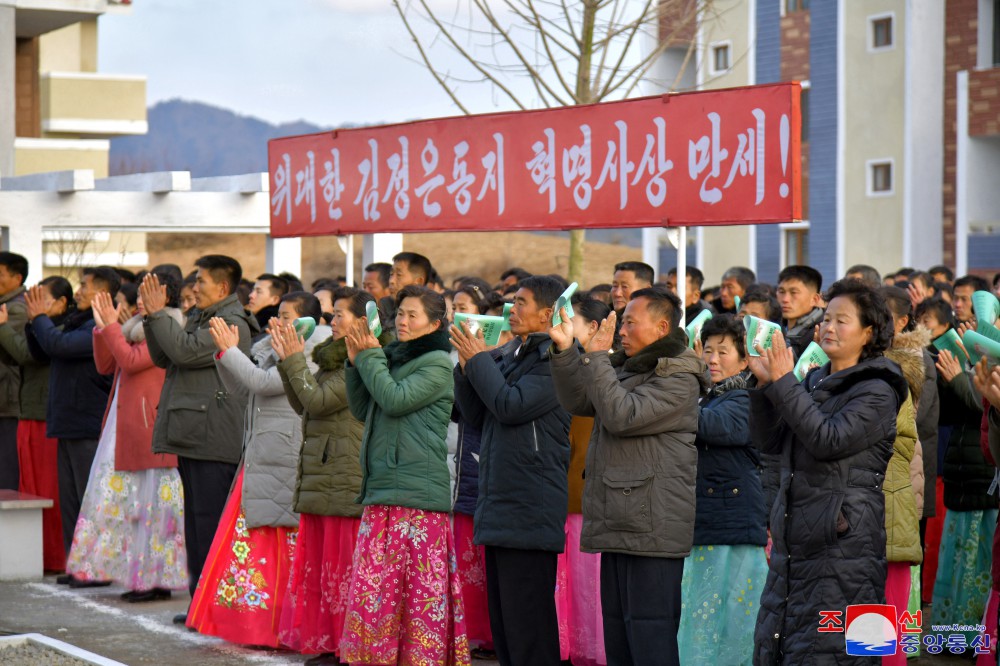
x=834 y=431
x=725 y=572
x=405 y=601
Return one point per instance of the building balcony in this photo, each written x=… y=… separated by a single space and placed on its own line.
x=44 y=155
x=92 y=104
x=37 y=17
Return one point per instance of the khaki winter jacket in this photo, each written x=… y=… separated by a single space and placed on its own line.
x=642 y=464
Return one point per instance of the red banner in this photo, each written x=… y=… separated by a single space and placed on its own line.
x=702 y=158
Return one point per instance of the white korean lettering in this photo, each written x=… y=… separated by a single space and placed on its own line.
x=463 y=179
x=429 y=161
x=369 y=184
x=305 y=186
x=332 y=185
x=399 y=179
x=656 y=166
x=543 y=166
x=494 y=177
x=282 y=195
x=577 y=166
x=616 y=164
x=707 y=154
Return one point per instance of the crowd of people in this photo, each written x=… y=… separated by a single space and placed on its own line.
x=350 y=474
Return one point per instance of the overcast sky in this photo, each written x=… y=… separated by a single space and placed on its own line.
x=329 y=62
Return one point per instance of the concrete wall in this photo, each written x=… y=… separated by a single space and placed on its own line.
x=70 y=49
x=874 y=96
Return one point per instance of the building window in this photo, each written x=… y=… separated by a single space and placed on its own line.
x=880 y=178
x=794 y=244
x=996 y=33
x=795 y=5
x=720 y=57
x=880 y=32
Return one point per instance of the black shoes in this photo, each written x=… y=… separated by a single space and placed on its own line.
x=77 y=584
x=64 y=579
x=321 y=659
x=180 y=618
x=140 y=596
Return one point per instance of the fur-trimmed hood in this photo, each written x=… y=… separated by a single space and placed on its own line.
x=907 y=352
x=400 y=352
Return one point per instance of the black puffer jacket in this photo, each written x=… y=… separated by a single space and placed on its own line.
x=967 y=475
x=835 y=435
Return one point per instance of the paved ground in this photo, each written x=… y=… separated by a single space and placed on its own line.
x=97 y=620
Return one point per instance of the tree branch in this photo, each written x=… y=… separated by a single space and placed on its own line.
x=427 y=62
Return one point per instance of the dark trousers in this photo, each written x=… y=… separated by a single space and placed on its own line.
x=520 y=591
x=75 y=458
x=206 y=487
x=641 y=607
x=10 y=470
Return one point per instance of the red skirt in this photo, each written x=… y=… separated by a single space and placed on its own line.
x=312 y=619
x=471 y=576
x=38 y=457
x=242 y=589
x=405 y=603
x=932 y=543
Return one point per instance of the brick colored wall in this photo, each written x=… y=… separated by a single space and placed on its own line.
x=984 y=102
x=678 y=21
x=27 y=117
x=960 y=52
x=795 y=46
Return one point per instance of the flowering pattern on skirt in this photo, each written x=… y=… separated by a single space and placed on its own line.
x=963 y=581
x=406 y=600
x=244 y=587
x=131 y=524
x=720 y=595
x=320 y=582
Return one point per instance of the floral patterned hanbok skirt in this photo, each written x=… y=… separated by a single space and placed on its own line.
x=405 y=599
x=131 y=524
x=242 y=589
x=313 y=616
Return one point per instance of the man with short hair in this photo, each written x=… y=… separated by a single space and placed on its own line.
x=942 y=273
x=866 y=274
x=628 y=277
x=78 y=393
x=512 y=276
x=13 y=271
x=409 y=268
x=965 y=286
x=265 y=297
x=639 y=498
x=758 y=302
x=801 y=304
x=523 y=462
x=376 y=280
x=693 y=303
x=734 y=284
x=198 y=419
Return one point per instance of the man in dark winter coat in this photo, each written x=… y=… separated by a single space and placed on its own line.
x=197 y=419
x=78 y=394
x=642 y=464
x=13 y=271
x=524 y=457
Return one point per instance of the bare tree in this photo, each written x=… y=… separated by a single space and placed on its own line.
x=572 y=51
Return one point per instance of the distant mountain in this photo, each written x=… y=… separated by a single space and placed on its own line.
x=210 y=141
x=202 y=139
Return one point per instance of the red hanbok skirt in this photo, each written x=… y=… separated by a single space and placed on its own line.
x=316 y=604
x=241 y=593
x=405 y=599
x=39 y=460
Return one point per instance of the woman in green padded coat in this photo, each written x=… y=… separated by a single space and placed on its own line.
x=405 y=600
